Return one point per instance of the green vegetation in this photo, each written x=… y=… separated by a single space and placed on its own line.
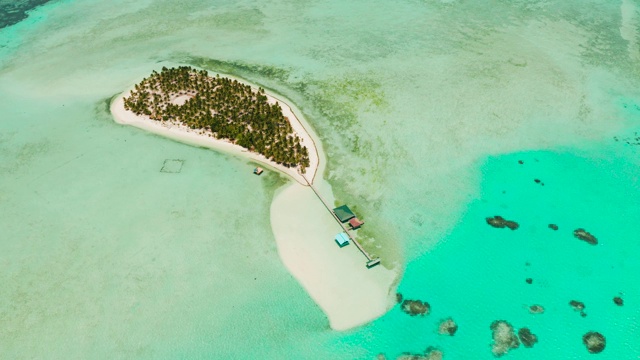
x=224 y=108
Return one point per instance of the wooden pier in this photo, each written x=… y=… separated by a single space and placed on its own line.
x=371 y=261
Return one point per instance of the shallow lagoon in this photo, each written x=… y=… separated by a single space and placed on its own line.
x=415 y=103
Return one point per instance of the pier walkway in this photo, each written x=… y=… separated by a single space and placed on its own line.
x=371 y=261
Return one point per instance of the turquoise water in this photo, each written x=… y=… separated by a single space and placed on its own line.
x=424 y=109
x=477 y=273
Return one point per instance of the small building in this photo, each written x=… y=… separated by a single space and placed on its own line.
x=342 y=239
x=343 y=213
x=355 y=223
x=373 y=262
x=258 y=170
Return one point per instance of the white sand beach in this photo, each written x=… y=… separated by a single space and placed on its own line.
x=336 y=278
x=187 y=135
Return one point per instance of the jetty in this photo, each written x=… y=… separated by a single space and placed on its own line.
x=340 y=213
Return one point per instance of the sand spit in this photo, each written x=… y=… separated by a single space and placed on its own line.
x=336 y=278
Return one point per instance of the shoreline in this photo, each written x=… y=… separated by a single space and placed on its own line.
x=180 y=132
x=349 y=294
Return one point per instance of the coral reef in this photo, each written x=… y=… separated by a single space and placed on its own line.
x=500 y=222
x=430 y=354
x=504 y=338
x=594 y=341
x=416 y=307
x=585 y=236
x=536 y=309
x=577 y=305
x=448 y=327
x=618 y=301
x=553 y=226
x=527 y=338
x=529 y=280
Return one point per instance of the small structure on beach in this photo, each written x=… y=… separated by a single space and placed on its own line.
x=172 y=166
x=373 y=262
x=355 y=223
x=342 y=239
x=258 y=170
x=343 y=213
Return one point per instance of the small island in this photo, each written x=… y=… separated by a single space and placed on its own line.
x=189 y=105
x=235 y=117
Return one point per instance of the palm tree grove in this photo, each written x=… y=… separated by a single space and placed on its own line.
x=221 y=107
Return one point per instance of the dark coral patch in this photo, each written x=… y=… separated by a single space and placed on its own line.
x=416 y=307
x=448 y=327
x=527 y=337
x=584 y=235
x=618 y=301
x=577 y=305
x=594 y=341
x=504 y=338
x=500 y=222
x=536 y=309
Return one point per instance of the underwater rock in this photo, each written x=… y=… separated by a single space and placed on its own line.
x=416 y=307
x=584 y=235
x=594 y=341
x=618 y=301
x=528 y=339
x=577 y=305
x=398 y=298
x=529 y=280
x=536 y=309
x=500 y=222
x=504 y=338
x=553 y=226
x=430 y=354
x=448 y=327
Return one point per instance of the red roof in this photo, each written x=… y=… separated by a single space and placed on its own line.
x=355 y=223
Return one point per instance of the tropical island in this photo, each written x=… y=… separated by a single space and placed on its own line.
x=188 y=100
x=231 y=116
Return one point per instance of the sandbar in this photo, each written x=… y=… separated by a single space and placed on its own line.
x=336 y=278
